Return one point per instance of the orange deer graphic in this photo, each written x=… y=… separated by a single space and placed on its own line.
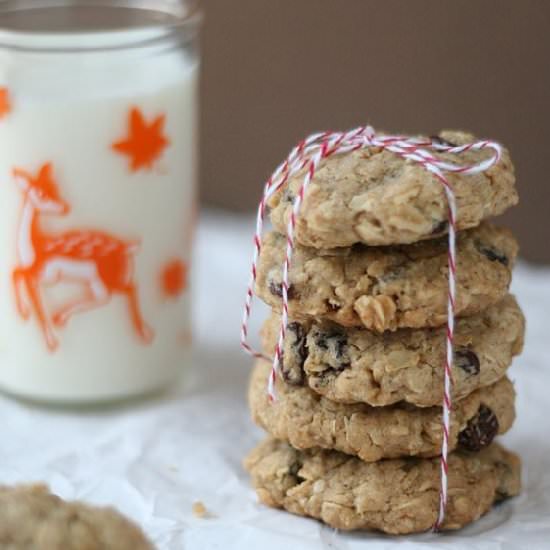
x=103 y=263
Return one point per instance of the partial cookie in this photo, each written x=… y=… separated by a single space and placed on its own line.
x=397 y=496
x=360 y=366
x=375 y=197
x=34 y=519
x=389 y=288
x=307 y=420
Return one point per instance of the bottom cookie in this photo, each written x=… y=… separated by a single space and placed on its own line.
x=32 y=518
x=397 y=496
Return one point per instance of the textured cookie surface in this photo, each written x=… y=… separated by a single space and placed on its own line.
x=397 y=496
x=307 y=420
x=33 y=519
x=360 y=366
x=389 y=288
x=375 y=197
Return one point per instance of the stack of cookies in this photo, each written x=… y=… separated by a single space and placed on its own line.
x=355 y=432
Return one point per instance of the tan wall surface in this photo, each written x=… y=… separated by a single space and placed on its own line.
x=275 y=70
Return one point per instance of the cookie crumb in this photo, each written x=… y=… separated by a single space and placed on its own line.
x=199 y=510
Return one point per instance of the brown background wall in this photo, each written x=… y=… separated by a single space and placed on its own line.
x=275 y=70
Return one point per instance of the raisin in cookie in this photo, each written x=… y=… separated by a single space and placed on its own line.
x=396 y=496
x=359 y=366
x=34 y=519
x=307 y=420
x=375 y=197
x=389 y=288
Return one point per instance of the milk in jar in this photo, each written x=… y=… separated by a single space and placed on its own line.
x=98 y=129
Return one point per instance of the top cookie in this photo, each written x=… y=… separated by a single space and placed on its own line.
x=375 y=197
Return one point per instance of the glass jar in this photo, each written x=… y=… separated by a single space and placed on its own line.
x=98 y=143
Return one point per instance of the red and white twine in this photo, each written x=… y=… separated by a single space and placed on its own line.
x=306 y=157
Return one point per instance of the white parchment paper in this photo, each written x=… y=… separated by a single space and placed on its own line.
x=154 y=458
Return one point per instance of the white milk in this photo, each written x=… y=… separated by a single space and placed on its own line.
x=68 y=109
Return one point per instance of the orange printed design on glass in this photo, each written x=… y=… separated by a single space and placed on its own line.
x=174 y=278
x=145 y=142
x=101 y=262
x=5 y=102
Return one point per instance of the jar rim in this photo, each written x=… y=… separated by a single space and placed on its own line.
x=182 y=18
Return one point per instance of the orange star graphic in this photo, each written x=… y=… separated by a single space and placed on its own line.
x=5 y=104
x=145 y=142
x=174 y=278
